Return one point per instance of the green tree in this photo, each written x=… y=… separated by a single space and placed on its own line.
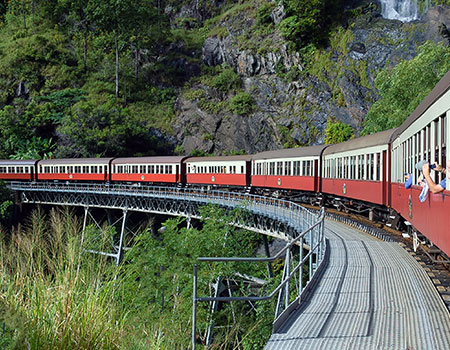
x=163 y=266
x=119 y=21
x=336 y=132
x=81 y=22
x=404 y=86
x=308 y=20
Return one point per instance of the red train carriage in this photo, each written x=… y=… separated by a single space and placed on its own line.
x=148 y=169
x=424 y=135
x=220 y=171
x=295 y=169
x=358 y=169
x=81 y=169
x=17 y=169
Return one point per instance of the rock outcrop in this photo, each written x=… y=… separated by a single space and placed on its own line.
x=293 y=103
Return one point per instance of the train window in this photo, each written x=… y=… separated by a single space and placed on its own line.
x=157 y=169
x=287 y=168
x=272 y=168
x=443 y=141
x=378 y=157
x=279 y=168
x=70 y=169
x=26 y=170
x=177 y=168
x=141 y=169
x=167 y=169
x=47 y=169
x=2 y=169
x=189 y=169
x=372 y=167
x=94 y=169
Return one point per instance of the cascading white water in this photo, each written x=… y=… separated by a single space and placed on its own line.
x=403 y=10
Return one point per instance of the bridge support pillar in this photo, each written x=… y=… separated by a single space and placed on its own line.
x=188 y=219
x=122 y=233
x=118 y=254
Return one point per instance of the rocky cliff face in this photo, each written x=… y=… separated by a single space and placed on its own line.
x=296 y=93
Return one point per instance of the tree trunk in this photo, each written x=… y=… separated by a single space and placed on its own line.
x=85 y=50
x=136 y=64
x=117 y=65
x=34 y=7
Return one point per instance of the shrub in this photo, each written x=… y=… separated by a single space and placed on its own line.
x=227 y=80
x=242 y=103
x=337 y=132
x=264 y=12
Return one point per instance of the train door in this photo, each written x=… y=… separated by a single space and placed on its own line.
x=384 y=178
x=316 y=175
x=248 y=173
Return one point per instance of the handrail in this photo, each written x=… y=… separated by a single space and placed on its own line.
x=316 y=248
x=267 y=259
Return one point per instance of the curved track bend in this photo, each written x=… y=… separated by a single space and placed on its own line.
x=372 y=295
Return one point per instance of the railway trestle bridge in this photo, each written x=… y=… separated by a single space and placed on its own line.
x=282 y=219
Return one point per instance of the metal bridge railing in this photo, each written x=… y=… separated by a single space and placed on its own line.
x=314 y=234
x=288 y=212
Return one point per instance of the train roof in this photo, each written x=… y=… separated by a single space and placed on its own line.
x=291 y=152
x=246 y=158
x=20 y=162
x=75 y=161
x=146 y=160
x=377 y=139
x=440 y=89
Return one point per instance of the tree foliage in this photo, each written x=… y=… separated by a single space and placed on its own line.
x=403 y=87
x=308 y=20
x=336 y=132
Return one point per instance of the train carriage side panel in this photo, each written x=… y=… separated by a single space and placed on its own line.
x=357 y=168
x=22 y=170
x=424 y=135
x=160 y=169
x=288 y=169
x=219 y=171
x=76 y=169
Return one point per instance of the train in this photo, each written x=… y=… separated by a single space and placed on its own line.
x=362 y=175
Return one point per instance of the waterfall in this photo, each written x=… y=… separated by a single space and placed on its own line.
x=403 y=10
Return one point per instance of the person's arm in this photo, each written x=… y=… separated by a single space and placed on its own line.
x=434 y=188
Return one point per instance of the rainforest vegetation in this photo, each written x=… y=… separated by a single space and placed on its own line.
x=84 y=78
